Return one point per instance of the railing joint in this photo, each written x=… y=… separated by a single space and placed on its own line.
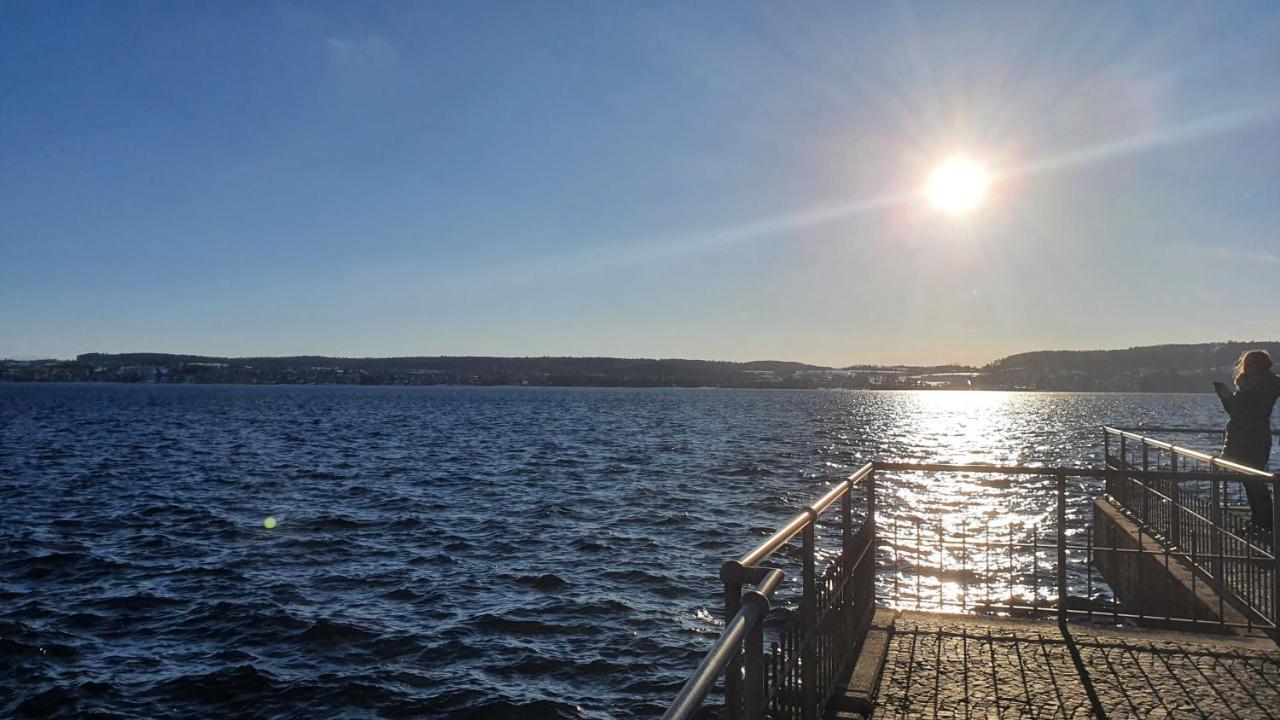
x=732 y=572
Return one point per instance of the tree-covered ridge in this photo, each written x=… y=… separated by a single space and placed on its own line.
x=1158 y=368
x=1167 y=368
x=451 y=370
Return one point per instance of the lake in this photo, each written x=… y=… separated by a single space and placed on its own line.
x=438 y=552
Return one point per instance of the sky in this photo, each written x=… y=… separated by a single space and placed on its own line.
x=718 y=180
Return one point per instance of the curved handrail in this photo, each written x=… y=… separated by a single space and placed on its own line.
x=755 y=605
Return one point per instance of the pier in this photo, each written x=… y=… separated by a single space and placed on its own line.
x=948 y=666
x=1143 y=591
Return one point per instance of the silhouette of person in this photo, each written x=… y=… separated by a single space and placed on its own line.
x=1248 y=437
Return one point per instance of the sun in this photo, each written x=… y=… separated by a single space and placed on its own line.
x=957 y=186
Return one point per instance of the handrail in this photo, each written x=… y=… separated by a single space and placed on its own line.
x=1213 y=460
x=1179 y=430
x=1046 y=471
x=755 y=605
x=798 y=523
x=740 y=645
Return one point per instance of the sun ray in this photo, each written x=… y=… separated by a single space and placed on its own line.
x=713 y=239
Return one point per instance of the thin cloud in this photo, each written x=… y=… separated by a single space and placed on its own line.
x=714 y=239
x=1198 y=129
x=371 y=51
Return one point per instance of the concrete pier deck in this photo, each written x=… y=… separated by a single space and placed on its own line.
x=952 y=666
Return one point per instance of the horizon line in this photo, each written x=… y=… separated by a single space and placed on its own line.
x=654 y=359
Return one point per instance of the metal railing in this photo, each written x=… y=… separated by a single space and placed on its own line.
x=1206 y=521
x=969 y=562
x=812 y=648
x=1051 y=565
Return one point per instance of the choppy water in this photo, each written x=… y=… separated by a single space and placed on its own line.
x=460 y=552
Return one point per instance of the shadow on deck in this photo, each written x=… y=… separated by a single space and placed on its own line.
x=938 y=665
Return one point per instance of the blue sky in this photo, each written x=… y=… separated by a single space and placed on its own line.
x=710 y=180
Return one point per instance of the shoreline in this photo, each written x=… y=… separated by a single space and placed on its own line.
x=118 y=383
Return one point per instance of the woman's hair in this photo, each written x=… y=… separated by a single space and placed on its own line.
x=1251 y=362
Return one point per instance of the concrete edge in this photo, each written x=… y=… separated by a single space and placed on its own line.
x=1205 y=602
x=859 y=695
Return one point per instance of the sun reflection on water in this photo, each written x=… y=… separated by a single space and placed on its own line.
x=958 y=427
x=953 y=541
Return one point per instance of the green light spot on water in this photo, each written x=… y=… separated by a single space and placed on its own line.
x=269 y=523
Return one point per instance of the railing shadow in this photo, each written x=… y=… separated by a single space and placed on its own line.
x=983 y=668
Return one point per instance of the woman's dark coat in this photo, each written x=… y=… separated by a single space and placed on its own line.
x=1248 y=439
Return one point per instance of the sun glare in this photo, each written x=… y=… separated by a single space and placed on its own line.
x=957 y=185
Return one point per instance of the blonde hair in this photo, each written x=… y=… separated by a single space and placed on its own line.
x=1251 y=362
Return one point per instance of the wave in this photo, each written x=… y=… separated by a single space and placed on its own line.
x=326 y=631
x=546 y=581
x=492 y=623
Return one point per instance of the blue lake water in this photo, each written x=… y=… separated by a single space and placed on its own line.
x=440 y=552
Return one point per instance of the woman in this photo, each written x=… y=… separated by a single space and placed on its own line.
x=1248 y=439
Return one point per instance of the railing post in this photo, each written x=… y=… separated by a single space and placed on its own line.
x=1062 y=547
x=1126 y=484
x=873 y=531
x=1275 y=557
x=1108 y=483
x=731 y=573
x=846 y=529
x=1215 y=521
x=871 y=502
x=1148 y=486
x=1175 y=496
x=846 y=561
x=754 y=683
x=809 y=624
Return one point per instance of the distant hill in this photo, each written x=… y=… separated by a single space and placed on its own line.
x=1158 y=368
x=623 y=369
x=451 y=370
x=1154 y=368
